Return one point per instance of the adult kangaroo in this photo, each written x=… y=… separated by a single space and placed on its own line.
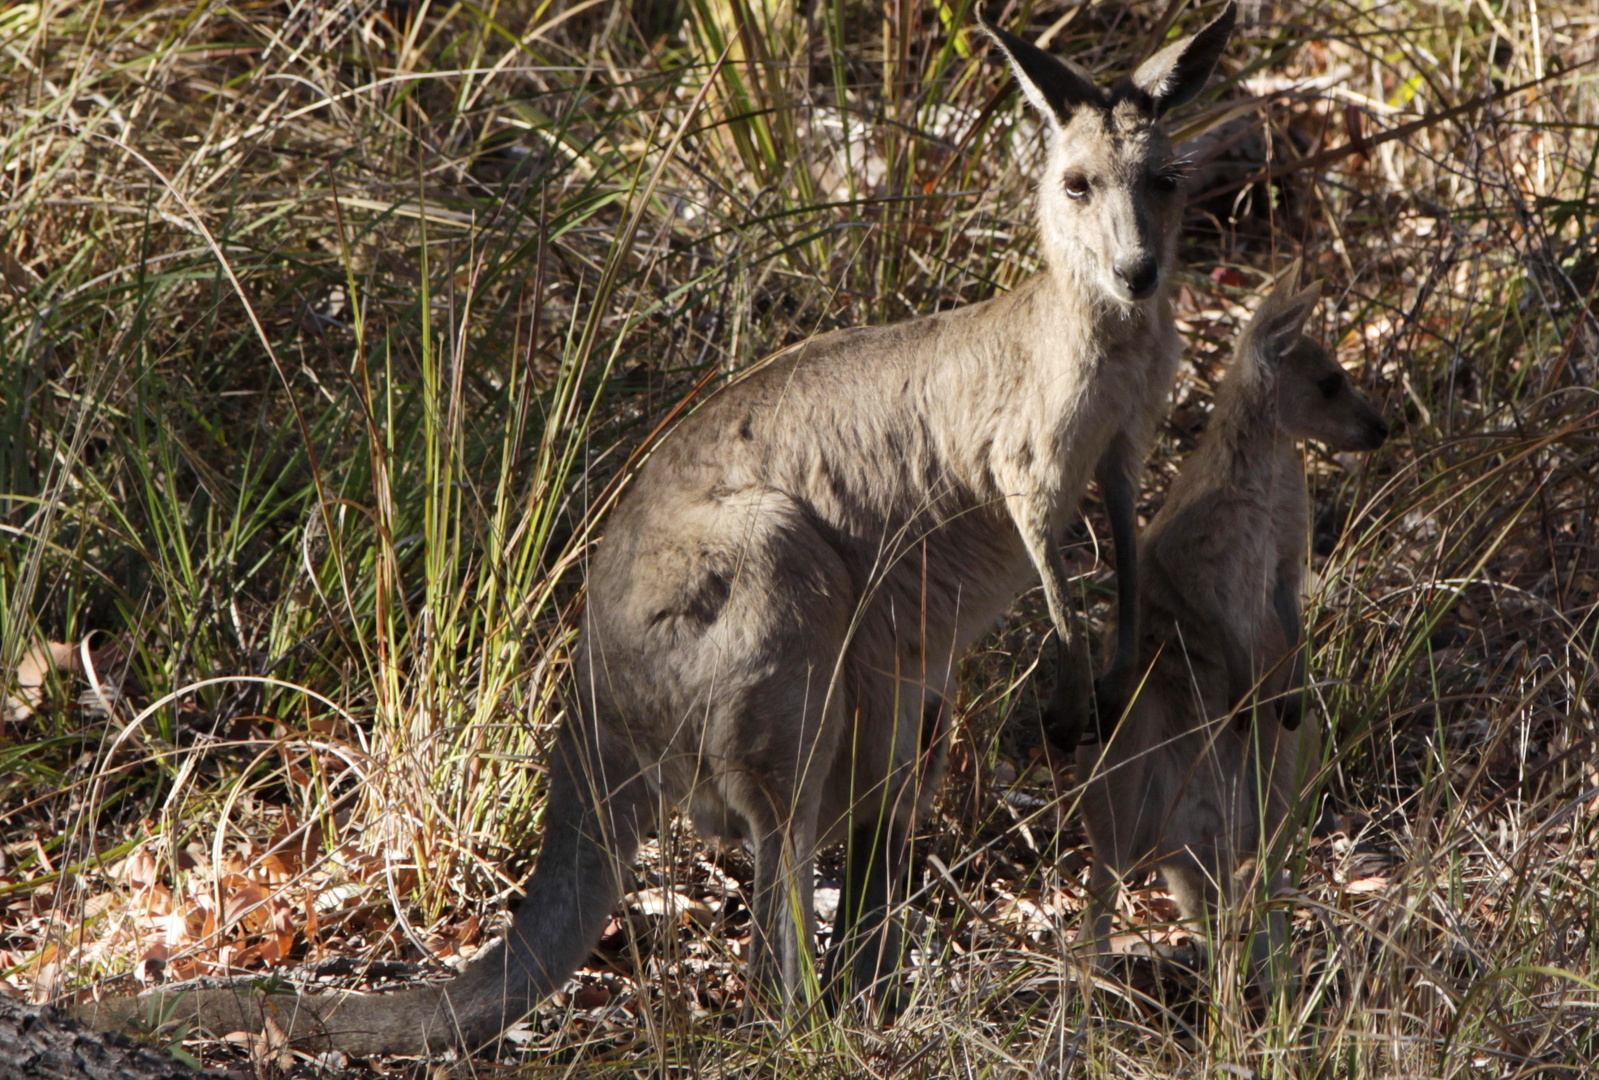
x=779 y=601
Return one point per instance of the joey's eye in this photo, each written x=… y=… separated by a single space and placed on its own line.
x=1330 y=386
x=1076 y=187
x=1168 y=176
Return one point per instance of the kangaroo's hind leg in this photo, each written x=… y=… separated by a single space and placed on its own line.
x=1268 y=951
x=770 y=670
x=1120 y=799
x=897 y=761
x=775 y=783
x=783 y=912
x=1104 y=887
x=1291 y=761
x=866 y=938
x=1207 y=890
x=1191 y=874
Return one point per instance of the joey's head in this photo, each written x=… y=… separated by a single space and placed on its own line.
x=1111 y=197
x=1313 y=394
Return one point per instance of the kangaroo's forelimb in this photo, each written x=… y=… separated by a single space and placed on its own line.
x=1070 y=711
x=1116 y=475
x=1285 y=599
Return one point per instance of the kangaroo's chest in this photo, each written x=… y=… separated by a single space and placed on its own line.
x=1123 y=391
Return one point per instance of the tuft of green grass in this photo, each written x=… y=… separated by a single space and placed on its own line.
x=330 y=333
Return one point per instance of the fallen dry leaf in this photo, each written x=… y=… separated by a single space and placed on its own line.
x=155 y=900
x=48 y=978
x=247 y=905
x=32 y=670
x=110 y=676
x=152 y=965
x=670 y=903
x=138 y=870
x=1367 y=885
x=275 y=869
x=592 y=997
x=269 y=1051
x=275 y=949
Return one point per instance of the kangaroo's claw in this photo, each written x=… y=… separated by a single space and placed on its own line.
x=1068 y=724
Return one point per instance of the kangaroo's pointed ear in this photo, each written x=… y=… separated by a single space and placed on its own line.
x=1173 y=76
x=1281 y=316
x=1055 y=87
x=1282 y=290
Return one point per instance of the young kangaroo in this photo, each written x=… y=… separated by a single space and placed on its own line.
x=1183 y=785
x=776 y=610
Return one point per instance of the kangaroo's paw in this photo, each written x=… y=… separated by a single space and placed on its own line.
x=1068 y=726
x=1110 y=704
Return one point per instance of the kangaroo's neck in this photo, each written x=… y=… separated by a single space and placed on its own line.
x=1246 y=437
x=1073 y=301
x=1021 y=387
x=1043 y=341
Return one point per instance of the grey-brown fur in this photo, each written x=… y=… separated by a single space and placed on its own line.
x=775 y=612
x=1205 y=773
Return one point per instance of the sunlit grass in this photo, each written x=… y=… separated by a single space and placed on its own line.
x=329 y=333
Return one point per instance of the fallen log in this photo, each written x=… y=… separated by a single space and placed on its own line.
x=38 y=1043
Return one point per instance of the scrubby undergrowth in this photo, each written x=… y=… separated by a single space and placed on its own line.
x=329 y=332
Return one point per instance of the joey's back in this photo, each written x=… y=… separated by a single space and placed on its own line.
x=1228 y=545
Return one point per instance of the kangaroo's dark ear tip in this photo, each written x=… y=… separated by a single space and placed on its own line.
x=1002 y=43
x=1219 y=30
x=1296 y=283
x=988 y=25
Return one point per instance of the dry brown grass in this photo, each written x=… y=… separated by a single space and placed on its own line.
x=326 y=329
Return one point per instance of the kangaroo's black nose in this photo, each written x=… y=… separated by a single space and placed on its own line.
x=1139 y=275
x=1377 y=433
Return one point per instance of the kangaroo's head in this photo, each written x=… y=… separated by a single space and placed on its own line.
x=1314 y=397
x=1111 y=197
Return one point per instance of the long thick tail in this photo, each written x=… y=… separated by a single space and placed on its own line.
x=598 y=808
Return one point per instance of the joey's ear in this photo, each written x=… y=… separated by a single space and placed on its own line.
x=1178 y=72
x=1281 y=317
x=1286 y=285
x=1055 y=87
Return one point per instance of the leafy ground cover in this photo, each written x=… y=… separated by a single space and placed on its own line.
x=329 y=332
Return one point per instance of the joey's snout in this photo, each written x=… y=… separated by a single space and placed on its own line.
x=1138 y=274
x=1351 y=425
x=1376 y=432
x=1364 y=426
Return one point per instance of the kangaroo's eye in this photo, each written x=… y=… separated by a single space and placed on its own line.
x=1330 y=386
x=1164 y=181
x=1076 y=187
